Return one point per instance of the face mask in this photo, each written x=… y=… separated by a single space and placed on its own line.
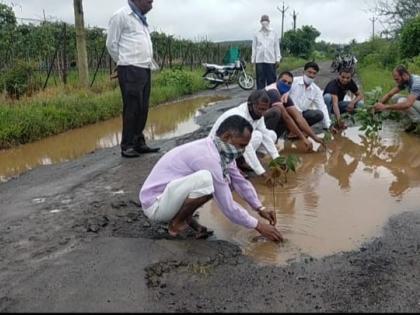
x=308 y=81
x=253 y=114
x=283 y=87
x=265 y=24
x=228 y=153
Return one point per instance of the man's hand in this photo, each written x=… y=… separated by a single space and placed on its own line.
x=308 y=144
x=320 y=141
x=380 y=107
x=269 y=232
x=269 y=215
x=350 y=107
x=284 y=98
x=333 y=130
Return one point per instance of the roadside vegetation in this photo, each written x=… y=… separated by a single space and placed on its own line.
x=41 y=96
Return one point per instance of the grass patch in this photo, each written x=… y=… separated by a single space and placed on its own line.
x=290 y=64
x=62 y=108
x=372 y=76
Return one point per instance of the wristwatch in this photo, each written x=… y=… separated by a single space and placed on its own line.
x=261 y=209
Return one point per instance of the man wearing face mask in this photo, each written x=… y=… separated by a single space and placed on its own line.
x=265 y=53
x=130 y=46
x=285 y=115
x=308 y=97
x=190 y=175
x=263 y=140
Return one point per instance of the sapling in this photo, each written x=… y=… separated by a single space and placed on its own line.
x=279 y=168
x=370 y=120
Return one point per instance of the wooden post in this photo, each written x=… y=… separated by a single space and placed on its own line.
x=65 y=53
x=82 y=59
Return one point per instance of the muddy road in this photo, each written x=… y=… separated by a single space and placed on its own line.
x=73 y=238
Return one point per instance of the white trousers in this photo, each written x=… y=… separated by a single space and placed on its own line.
x=168 y=204
x=413 y=112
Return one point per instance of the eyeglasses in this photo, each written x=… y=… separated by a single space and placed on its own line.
x=287 y=82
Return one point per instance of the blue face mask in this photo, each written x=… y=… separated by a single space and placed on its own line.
x=283 y=87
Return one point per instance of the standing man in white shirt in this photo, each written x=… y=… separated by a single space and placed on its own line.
x=308 y=97
x=262 y=140
x=130 y=46
x=265 y=54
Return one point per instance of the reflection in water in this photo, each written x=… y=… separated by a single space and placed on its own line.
x=164 y=121
x=337 y=199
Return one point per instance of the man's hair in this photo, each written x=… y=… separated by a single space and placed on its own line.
x=236 y=124
x=287 y=73
x=401 y=69
x=346 y=70
x=258 y=96
x=311 y=64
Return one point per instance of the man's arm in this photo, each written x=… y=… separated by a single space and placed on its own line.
x=277 y=48
x=390 y=94
x=358 y=98
x=252 y=160
x=291 y=125
x=380 y=107
x=303 y=124
x=268 y=142
x=336 y=109
x=113 y=37
x=254 y=50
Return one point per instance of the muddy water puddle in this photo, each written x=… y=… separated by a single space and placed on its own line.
x=337 y=199
x=164 y=121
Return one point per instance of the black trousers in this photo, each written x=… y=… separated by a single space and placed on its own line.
x=274 y=121
x=135 y=89
x=265 y=74
x=313 y=116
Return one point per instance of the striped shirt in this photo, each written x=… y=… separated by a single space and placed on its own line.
x=413 y=86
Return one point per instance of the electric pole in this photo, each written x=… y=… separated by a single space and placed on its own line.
x=294 y=20
x=283 y=11
x=373 y=20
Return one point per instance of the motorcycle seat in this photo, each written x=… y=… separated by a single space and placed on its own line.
x=219 y=67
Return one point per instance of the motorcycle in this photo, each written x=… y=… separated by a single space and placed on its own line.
x=345 y=62
x=228 y=74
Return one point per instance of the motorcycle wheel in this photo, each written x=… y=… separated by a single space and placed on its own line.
x=211 y=85
x=246 y=83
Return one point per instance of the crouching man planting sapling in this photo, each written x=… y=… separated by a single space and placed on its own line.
x=190 y=175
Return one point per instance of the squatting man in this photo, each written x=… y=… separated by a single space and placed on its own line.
x=188 y=176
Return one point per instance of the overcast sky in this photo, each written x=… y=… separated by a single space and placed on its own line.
x=339 y=21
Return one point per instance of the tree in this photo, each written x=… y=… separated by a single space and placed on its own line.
x=300 y=43
x=396 y=13
x=7 y=29
x=82 y=61
x=410 y=39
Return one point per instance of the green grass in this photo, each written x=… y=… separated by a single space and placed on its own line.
x=290 y=63
x=60 y=108
x=372 y=76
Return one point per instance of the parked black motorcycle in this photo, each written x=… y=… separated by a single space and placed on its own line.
x=228 y=74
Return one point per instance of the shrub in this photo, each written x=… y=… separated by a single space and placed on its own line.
x=20 y=79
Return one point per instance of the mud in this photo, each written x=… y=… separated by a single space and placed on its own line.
x=73 y=239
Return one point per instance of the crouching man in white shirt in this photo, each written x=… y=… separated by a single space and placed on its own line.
x=308 y=97
x=263 y=140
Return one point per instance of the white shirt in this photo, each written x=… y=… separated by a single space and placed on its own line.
x=250 y=155
x=309 y=98
x=265 y=47
x=128 y=40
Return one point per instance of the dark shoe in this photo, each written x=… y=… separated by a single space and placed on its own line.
x=130 y=153
x=147 y=149
x=411 y=128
